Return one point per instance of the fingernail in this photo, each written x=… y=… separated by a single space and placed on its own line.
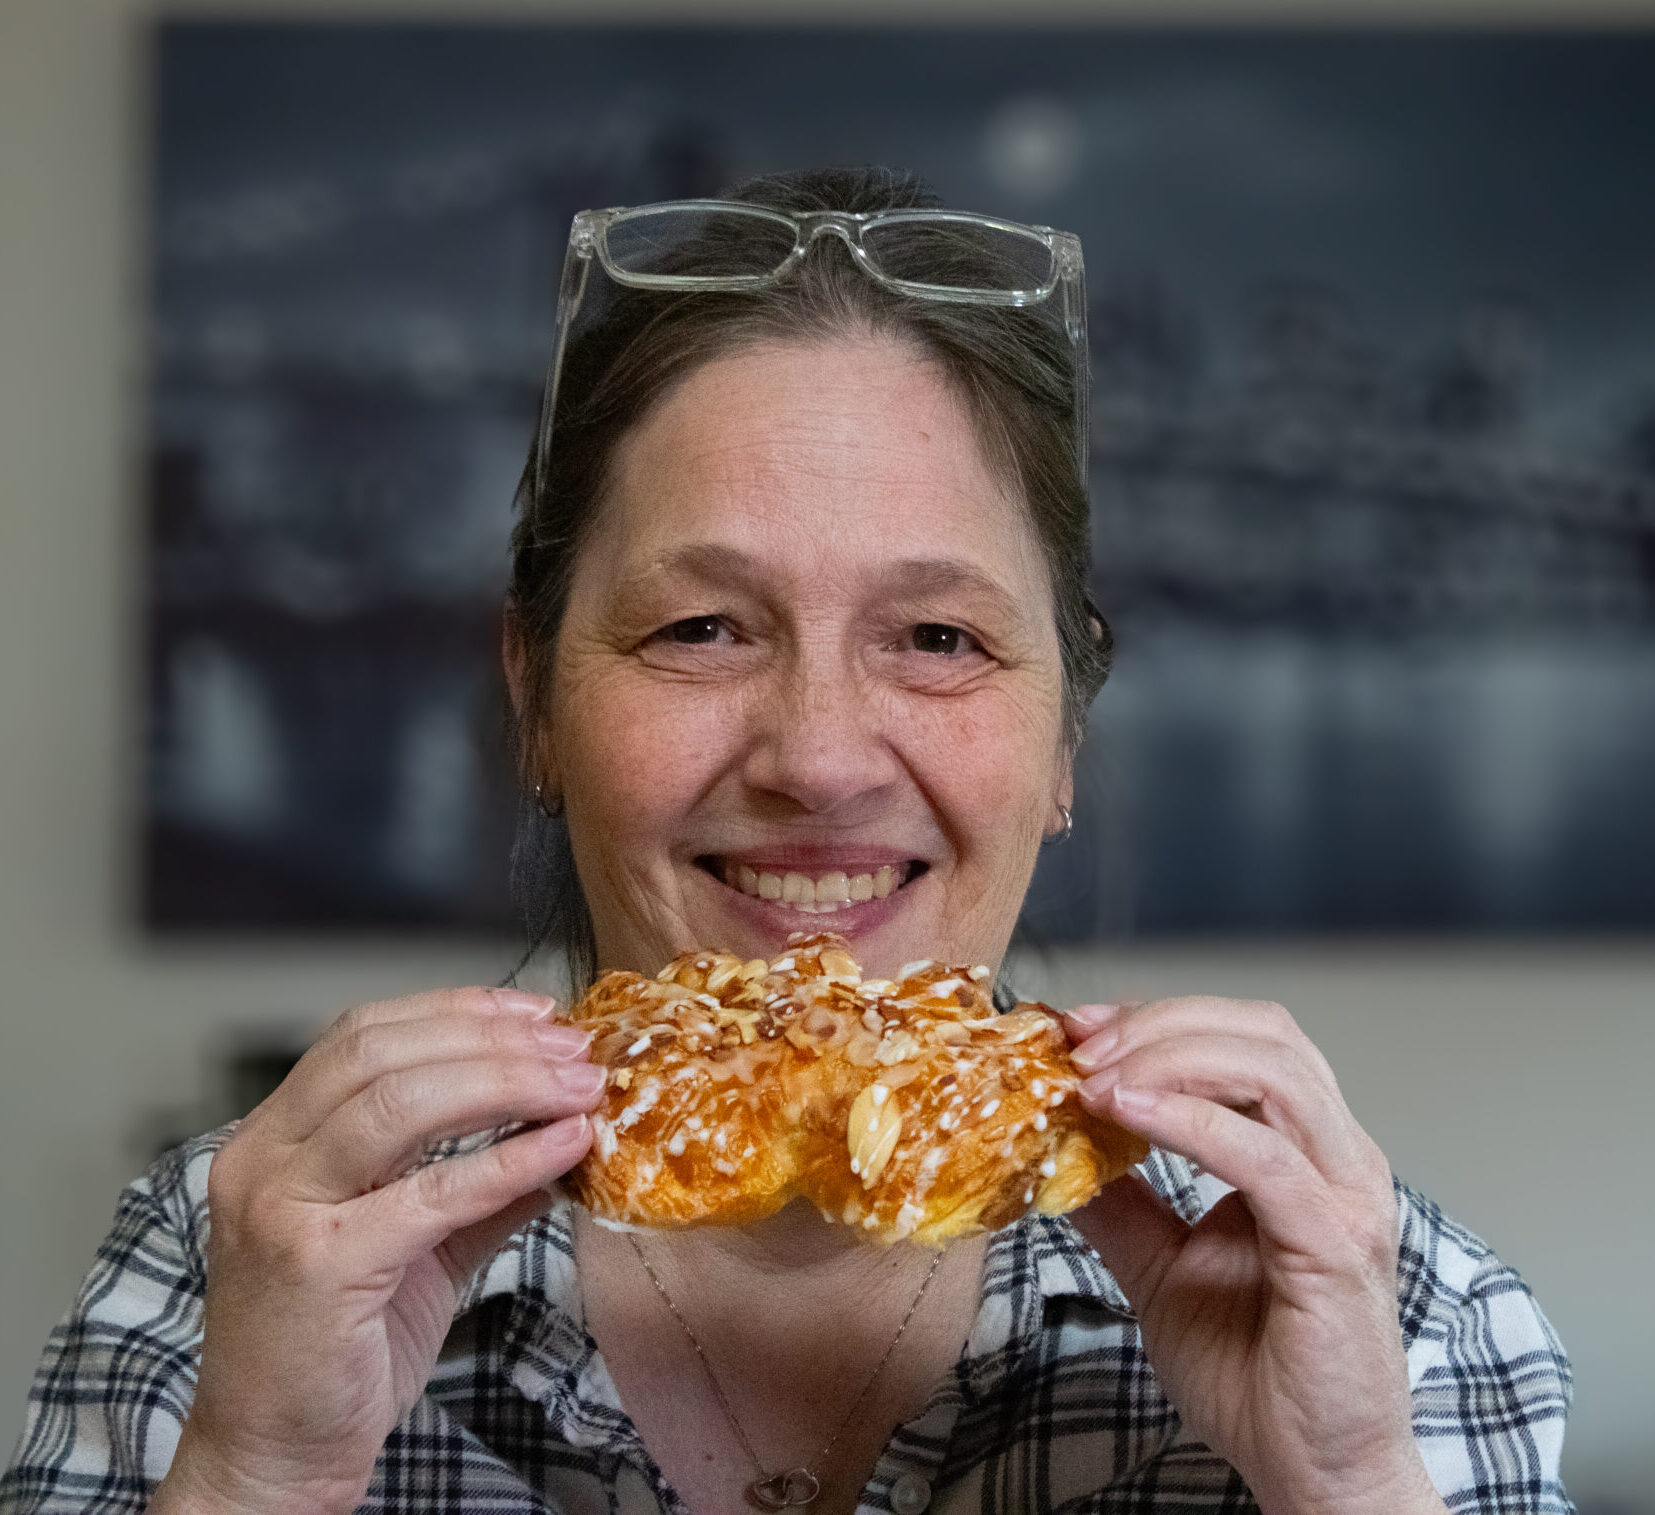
x=561 y=1039
x=521 y=1002
x=1096 y=1089
x=583 y=1078
x=573 y=1129
x=1134 y=1102
x=1095 y=1051
x=1089 y=1018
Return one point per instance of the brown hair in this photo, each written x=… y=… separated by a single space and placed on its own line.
x=1012 y=367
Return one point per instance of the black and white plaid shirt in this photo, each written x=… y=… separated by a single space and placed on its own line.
x=1052 y=1405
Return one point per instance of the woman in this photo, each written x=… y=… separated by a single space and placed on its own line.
x=799 y=596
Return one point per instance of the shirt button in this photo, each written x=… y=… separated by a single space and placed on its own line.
x=910 y=1494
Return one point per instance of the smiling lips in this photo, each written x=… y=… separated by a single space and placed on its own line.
x=821 y=895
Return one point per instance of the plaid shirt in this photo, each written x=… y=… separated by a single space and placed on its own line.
x=1052 y=1405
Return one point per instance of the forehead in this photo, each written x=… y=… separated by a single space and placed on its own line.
x=845 y=450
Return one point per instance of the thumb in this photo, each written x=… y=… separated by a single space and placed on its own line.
x=1136 y=1233
x=470 y=1248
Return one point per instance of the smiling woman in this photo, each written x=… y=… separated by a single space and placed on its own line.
x=798 y=626
x=750 y=675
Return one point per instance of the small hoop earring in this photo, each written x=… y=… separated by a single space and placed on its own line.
x=552 y=811
x=1067 y=831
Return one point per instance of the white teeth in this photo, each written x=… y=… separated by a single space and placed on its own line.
x=822 y=896
x=834 y=887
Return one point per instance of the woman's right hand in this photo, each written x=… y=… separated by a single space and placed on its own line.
x=332 y=1280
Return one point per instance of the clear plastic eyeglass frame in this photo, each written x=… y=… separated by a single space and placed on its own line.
x=590 y=240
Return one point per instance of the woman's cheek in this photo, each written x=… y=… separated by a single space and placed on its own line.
x=647 y=747
x=989 y=744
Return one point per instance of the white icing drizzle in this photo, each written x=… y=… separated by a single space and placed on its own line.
x=616 y=1225
x=649 y=1095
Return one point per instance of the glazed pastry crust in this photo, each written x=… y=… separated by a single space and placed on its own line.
x=911 y=1110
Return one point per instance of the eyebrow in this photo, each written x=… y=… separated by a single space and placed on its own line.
x=720 y=564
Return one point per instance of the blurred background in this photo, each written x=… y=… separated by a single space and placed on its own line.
x=1373 y=328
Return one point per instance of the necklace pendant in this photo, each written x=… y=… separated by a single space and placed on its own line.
x=784 y=1491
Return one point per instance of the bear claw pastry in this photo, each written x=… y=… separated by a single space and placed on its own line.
x=911 y=1110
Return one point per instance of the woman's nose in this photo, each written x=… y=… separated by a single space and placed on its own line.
x=819 y=735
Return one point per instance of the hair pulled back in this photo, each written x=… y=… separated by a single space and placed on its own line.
x=1012 y=368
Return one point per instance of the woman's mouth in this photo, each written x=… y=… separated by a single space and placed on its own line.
x=819 y=894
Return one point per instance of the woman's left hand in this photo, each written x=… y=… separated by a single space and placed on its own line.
x=1271 y=1323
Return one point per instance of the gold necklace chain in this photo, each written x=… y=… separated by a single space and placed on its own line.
x=796 y=1486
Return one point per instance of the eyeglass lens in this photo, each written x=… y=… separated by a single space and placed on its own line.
x=700 y=244
x=962 y=255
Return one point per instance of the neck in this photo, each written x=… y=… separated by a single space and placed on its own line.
x=767 y=1281
x=795 y=1242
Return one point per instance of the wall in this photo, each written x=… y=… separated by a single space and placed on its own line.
x=1508 y=1080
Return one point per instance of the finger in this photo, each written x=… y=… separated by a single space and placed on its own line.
x=1196 y=1015
x=381 y=1132
x=470 y=999
x=444 y=1199
x=462 y=1025
x=1286 y=1194
x=1087 y=1020
x=1273 y=1079
x=1135 y=1232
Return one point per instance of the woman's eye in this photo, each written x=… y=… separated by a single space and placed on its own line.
x=942 y=640
x=693 y=630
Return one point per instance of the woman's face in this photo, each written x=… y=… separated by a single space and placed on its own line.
x=808 y=676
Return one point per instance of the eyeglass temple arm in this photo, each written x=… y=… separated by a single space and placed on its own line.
x=1073 y=282
x=572 y=290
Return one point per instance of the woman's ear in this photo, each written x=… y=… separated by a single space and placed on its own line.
x=514 y=658
x=533 y=753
